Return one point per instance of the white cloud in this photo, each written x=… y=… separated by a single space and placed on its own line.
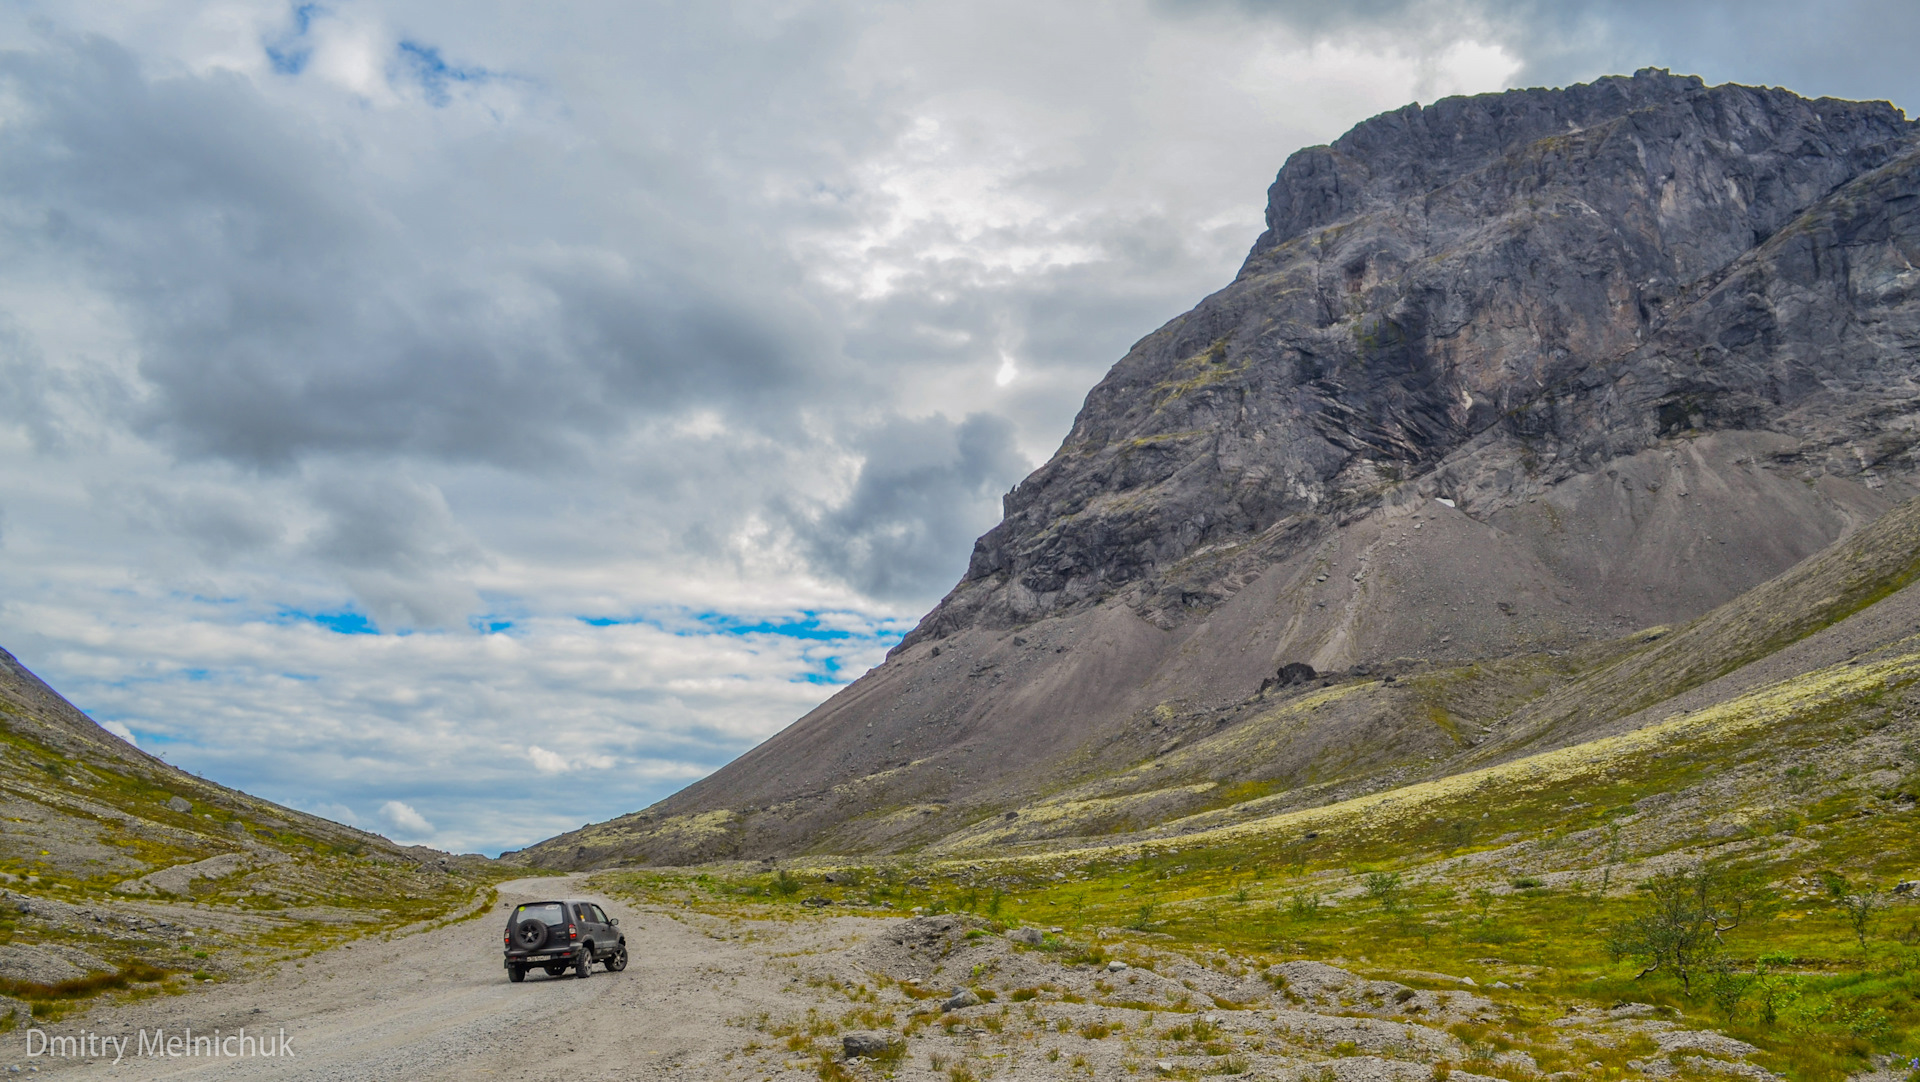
x=121 y=731
x=546 y=762
x=406 y=823
x=339 y=813
x=349 y=359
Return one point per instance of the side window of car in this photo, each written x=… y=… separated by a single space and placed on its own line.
x=600 y=915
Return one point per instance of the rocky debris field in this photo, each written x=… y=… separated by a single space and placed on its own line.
x=940 y=998
x=947 y=997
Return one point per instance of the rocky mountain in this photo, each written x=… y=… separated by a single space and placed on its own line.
x=1510 y=387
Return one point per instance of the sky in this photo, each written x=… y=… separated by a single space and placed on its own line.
x=468 y=421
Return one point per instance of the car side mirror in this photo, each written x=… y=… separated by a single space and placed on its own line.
x=613 y=920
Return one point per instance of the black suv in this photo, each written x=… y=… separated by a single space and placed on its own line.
x=558 y=936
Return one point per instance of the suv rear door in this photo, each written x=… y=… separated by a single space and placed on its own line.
x=612 y=933
x=590 y=928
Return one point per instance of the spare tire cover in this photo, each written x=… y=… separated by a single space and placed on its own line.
x=530 y=933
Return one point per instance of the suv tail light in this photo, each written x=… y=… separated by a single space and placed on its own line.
x=571 y=934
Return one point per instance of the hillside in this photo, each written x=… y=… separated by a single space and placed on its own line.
x=120 y=870
x=1510 y=386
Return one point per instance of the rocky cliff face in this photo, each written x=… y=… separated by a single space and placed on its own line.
x=1503 y=267
x=1506 y=377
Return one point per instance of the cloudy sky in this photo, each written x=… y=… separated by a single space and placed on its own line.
x=471 y=420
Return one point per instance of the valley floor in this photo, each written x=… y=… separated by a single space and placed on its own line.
x=758 y=992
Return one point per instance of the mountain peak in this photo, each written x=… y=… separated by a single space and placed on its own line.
x=1506 y=378
x=1417 y=149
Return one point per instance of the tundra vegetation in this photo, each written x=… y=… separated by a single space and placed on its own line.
x=1710 y=883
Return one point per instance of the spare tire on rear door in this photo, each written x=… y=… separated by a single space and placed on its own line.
x=530 y=933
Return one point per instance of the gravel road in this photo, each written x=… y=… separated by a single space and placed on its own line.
x=438 y=1005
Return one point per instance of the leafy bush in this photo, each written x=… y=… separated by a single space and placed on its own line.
x=1688 y=912
x=1386 y=889
x=1859 y=907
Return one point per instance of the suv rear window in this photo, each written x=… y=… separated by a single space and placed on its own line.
x=548 y=913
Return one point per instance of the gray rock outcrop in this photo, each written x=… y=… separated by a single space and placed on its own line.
x=179 y=878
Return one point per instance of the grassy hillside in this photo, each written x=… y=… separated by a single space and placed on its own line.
x=124 y=875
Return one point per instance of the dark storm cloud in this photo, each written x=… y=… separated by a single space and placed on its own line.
x=286 y=304
x=220 y=524
x=908 y=524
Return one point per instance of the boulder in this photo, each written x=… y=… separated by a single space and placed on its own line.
x=1293 y=672
x=1030 y=936
x=865 y=1043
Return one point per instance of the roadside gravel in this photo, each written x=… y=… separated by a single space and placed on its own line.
x=437 y=1005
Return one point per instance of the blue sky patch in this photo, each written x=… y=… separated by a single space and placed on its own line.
x=344 y=622
x=837 y=627
x=807 y=625
x=828 y=673
x=434 y=74
x=290 y=54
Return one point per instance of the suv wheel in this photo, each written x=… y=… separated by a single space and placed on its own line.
x=583 y=963
x=516 y=973
x=617 y=961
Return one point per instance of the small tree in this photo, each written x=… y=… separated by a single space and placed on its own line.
x=1386 y=889
x=1613 y=856
x=785 y=885
x=1860 y=907
x=1303 y=906
x=1728 y=986
x=1482 y=904
x=1687 y=913
x=1778 y=988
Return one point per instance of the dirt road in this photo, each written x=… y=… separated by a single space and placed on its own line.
x=437 y=1005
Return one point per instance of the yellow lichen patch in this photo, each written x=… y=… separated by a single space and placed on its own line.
x=1062 y=818
x=680 y=828
x=1261 y=730
x=1556 y=769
